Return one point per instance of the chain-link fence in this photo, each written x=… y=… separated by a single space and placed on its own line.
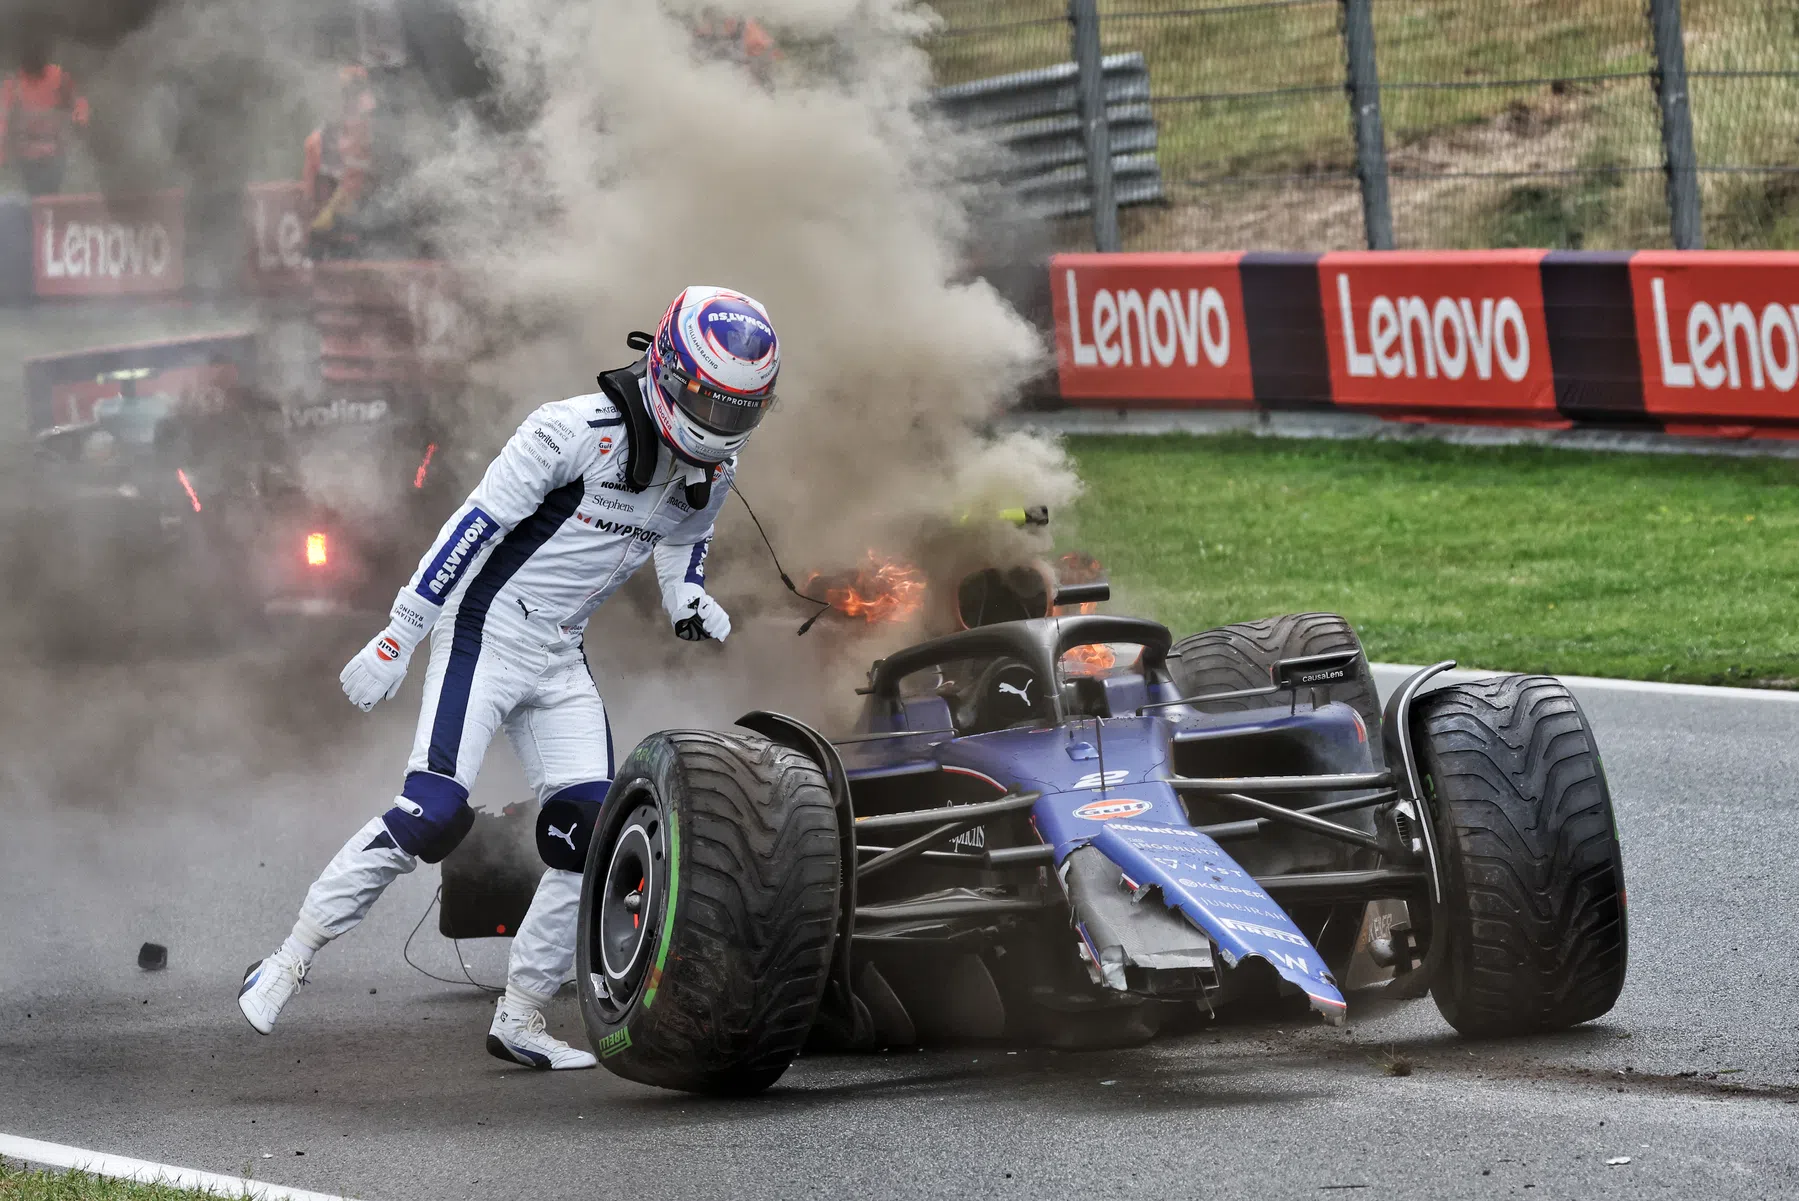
x=1506 y=123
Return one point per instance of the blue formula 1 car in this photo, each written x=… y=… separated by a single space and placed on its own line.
x=1075 y=831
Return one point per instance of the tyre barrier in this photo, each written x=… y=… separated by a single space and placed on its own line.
x=1685 y=342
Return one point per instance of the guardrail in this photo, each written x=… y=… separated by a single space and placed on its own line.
x=1693 y=342
x=1035 y=116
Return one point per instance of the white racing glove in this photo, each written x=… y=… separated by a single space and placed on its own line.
x=379 y=668
x=696 y=615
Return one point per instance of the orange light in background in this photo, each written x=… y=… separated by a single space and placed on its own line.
x=188 y=488
x=317 y=551
x=418 y=477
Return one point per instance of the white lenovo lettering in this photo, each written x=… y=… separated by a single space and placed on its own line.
x=1411 y=336
x=1167 y=327
x=89 y=251
x=1727 y=344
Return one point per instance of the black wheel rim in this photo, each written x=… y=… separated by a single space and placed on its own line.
x=622 y=924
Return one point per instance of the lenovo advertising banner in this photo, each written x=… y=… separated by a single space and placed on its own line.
x=88 y=245
x=275 y=219
x=1151 y=327
x=1688 y=342
x=1460 y=334
x=1718 y=335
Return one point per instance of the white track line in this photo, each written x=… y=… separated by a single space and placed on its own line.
x=55 y=1155
x=1708 y=692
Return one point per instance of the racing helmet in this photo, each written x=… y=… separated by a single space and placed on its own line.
x=712 y=363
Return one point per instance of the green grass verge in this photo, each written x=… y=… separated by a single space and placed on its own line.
x=1656 y=567
x=21 y=1184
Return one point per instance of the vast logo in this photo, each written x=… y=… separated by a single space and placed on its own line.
x=1113 y=808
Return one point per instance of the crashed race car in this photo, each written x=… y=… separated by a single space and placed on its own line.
x=1077 y=831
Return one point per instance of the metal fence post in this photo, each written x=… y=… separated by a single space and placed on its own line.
x=1091 y=82
x=1364 y=109
x=1679 y=158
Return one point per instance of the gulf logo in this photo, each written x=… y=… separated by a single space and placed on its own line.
x=1112 y=808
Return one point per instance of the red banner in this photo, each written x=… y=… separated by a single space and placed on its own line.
x=275 y=219
x=1457 y=332
x=1152 y=327
x=1718 y=334
x=85 y=246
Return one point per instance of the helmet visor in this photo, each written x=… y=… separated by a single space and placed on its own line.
x=721 y=412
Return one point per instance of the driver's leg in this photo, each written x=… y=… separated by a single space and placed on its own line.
x=564 y=743
x=467 y=696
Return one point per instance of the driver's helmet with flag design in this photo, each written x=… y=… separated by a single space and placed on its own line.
x=712 y=367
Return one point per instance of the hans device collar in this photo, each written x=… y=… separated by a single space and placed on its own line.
x=625 y=389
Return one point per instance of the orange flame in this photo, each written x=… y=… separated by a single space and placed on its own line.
x=877 y=590
x=418 y=477
x=1089 y=660
x=1094 y=658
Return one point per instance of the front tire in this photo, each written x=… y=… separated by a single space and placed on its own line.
x=1534 y=877
x=708 y=910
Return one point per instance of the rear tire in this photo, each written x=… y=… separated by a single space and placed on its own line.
x=708 y=911
x=1236 y=658
x=1534 y=878
x=1240 y=657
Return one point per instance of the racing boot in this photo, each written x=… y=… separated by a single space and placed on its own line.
x=269 y=985
x=518 y=1035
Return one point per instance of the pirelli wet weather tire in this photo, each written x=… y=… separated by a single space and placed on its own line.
x=1237 y=658
x=708 y=910
x=1534 y=879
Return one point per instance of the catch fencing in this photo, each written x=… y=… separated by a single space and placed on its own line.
x=1423 y=124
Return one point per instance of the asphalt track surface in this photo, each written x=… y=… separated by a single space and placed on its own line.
x=376 y=1085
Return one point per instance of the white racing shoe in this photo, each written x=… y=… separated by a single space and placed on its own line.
x=268 y=986
x=522 y=1038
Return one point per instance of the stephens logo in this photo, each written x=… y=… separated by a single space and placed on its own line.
x=1113 y=808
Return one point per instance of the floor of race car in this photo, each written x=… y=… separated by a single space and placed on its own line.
x=376 y=1084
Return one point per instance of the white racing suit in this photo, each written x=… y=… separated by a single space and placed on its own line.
x=555 y=527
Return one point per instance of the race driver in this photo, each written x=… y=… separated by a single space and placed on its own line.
x=585 y=492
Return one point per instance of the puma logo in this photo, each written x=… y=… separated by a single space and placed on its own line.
x=1023 y=694
x=567 y=836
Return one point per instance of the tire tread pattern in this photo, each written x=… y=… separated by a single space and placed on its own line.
x=756 y=916
x=1535 y=887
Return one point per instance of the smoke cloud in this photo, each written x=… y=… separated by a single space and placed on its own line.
x=609 y=160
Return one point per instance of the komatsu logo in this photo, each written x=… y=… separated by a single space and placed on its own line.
x=471 y=538
x=745 y=318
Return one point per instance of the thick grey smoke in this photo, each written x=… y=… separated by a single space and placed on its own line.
x=824 y=190
x=614 y=164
